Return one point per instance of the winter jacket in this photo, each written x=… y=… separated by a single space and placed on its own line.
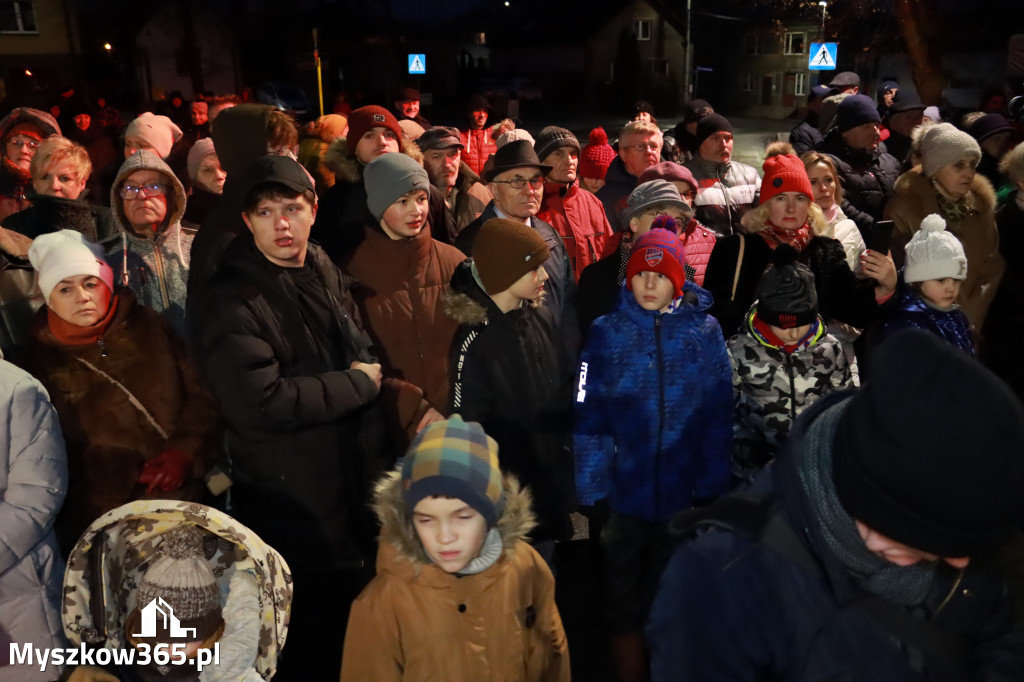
x=402 y=284
x=1004 y=326
x=578 y=217
x=771 y=387
x=253 y=580
x=914 y=312
x=471 y=198
x=806 y=136
x=619 y=183
x=15 y=182
x=50 y=214
x=200 y=204
x=732 y=608
x=478 y=147
x=416 y=622
x=725 y=192
x=916 y=198
x=109 y=439
x=868 y=179
x=508 y=373
x=653 y=423
x=599 y=287
x=33 y=480
x=304 y=430
x=154 y=266
x=845 y=231
x=20 y=297
x=841 y=295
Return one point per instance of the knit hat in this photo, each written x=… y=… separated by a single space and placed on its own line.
x=934 y=253
x=667 y=170
x=553 y=138
x=476 y=103
x=856 y=110
x=389 y=177
x=943 y=144
x=697 y=110
x=784 y=173
x=844 y=80
x=56 y=255
x=651 y=194
x=933 y=113
x=948 y=489
x=365 y=118
x=180 y=576
x=518 y=154
x=200 y=150
x=786 y=295
x=159 y=131
x=505 y=250
x=988 y=125
x=596 y=155
x=330 y=127
x=708 y=126
x=411 y=128
x=440 y=137
x=658 y=250
x=886 y=86
x=642 y=107
x=454 y=458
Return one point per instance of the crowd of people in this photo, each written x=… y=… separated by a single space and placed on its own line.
x=340 y=393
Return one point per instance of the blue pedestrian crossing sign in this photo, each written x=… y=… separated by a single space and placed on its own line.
x=418 y=64
x=823 y=56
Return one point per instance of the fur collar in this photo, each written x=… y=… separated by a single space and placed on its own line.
x=347 y=168
x=915 y=186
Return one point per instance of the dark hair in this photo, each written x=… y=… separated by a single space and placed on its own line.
x=273 y=191
x=281 y=131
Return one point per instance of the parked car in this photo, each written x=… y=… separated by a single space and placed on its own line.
x=286 y=97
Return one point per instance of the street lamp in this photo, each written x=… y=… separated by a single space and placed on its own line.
x=107 y=47
x=824 y=6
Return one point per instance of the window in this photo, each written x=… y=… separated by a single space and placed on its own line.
x=642 y=29
x=17 y=16
x=794 y=43
x=746 y=83
x=800 y=87
x=659 y=67
x=479 y=38
x=752 y=44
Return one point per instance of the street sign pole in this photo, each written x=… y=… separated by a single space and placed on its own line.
x=319 y=74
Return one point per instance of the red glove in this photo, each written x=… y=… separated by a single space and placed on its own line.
x=166 y=471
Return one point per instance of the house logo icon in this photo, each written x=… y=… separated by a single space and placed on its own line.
x=171 y=623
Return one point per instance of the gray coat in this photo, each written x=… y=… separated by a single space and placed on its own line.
x=33 y=480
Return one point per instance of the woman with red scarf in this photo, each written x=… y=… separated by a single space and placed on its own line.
x=136 y=422
x=787 y=214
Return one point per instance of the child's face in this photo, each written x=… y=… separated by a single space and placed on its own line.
x=451 y=531
x=653 y=290
x=641 y=224
x=941 y=292
x=529 y=286
x=791 y=335
x=406 y=217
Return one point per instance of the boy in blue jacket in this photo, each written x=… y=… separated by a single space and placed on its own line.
x=653 y=427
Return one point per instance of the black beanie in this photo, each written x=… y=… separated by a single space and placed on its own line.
x=786 y=295
x=856 y=110
x=930 y=452
x=553 y=138
x=988 y=125
x=710 y=125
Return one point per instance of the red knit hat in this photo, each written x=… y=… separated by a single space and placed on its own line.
x=596 y=155
x=658 y=251
x=373 y=116
x=784 y=173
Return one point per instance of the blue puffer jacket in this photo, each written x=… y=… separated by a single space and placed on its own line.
x=654 y=409
x=913 y=312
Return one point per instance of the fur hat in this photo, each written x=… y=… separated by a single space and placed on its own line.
x=389 y=177
x=934 y=253
x=372 y=116
x=786 y=295
x=856 y=110
x=553 y=138
x=651 y=194
x=596 y=155
x=505 y=250
x=658 y=250
x=454 y=458
x=943 y=144
x=784 y=173
x=200 y=150
x=159 y=131
x=57 y=255
x=709 y=125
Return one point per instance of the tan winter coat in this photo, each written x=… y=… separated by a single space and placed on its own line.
x=915 y=199
x=417 y=623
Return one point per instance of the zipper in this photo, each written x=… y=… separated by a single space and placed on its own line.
x=661 y=415
x=956 y=586
x=160 y=275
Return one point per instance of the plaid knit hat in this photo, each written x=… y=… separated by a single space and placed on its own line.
x=454 y=458
x=934 y=253
x=596 y=156
x=553 y=138
x=505 y=250
x=373 y=116
x=658 y=250
x=784 y=173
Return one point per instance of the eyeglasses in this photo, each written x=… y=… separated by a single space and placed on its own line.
x=657 y=214
x=519 y=183
x=19 y=142
x=129 y=192
x=645 y=146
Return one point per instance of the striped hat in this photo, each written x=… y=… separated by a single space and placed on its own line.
x=454 y=459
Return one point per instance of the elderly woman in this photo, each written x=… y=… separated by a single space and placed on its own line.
x=207 y=179
x=21 y=133
x=947 y=183
x=136 y=421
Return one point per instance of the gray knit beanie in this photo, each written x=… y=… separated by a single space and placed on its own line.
x=651 y=194
x=934 y=253
x=389 y=177
x=553 y=138
x=943 y=144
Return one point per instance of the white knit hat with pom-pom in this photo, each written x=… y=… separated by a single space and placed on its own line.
x=934 y=253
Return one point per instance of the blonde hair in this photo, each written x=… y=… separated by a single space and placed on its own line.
x=755 y=220
x=1012 y=164
x=639 y=128
x=55 y=150
x=814 y=158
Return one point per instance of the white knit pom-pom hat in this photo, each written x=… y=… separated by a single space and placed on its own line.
x=934 y=253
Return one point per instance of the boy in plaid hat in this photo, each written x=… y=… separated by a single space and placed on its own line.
x=459 y=594
x=653 y=427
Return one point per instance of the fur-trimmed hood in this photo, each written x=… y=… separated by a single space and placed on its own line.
x=515 y=522
x=467 y=302
x=146 y=160
x=342 y=160
x=41 y=119
x=916 y=187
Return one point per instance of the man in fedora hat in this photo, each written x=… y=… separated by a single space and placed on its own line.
x=516 y=181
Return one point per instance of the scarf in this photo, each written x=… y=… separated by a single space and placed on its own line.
x=68 y=334
x=953 y=210
x=489 y=553
x=831 y=214
x=798 y=238
x=764 y=332
x=901 y=585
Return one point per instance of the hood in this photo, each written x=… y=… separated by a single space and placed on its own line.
x=835 y=145
x=915 y=186
x=515 y=522
x=47 y=123
x=240 y=136
x=146 y=160
x=747 y=329
x=466 y=175
x=347 y=168
x=467 y=302
x=695 y=300
x=107 y=562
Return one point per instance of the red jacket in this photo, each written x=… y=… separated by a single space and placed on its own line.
x=579 y=217
x=698 y=242
x=479 y=147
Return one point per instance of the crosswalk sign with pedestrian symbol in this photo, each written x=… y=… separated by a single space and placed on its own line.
x=418 y=64
x=823 y=56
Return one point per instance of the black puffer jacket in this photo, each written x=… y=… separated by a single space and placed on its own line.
x=868 y=180
x=50 y=214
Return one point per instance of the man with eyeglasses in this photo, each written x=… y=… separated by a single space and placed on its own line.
x=516 y=181
x=726 y=189
x=21 y=133
x=639 y=149
x=151 y=253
